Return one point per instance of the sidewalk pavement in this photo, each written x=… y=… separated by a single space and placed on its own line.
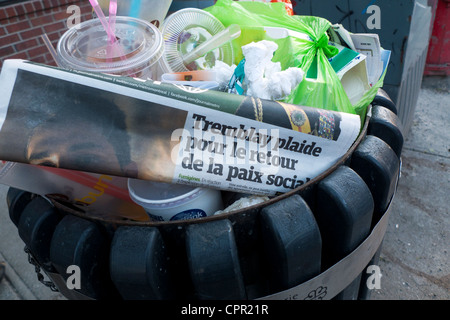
x=414 y=261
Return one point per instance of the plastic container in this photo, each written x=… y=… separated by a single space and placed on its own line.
x=136 y=53
x=169 y=202
x=186 y=29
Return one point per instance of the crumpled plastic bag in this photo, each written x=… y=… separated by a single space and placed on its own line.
x=311 y=46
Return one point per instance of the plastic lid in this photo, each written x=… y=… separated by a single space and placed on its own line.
x=159 y=194
x=85 y=47
x=185 y=29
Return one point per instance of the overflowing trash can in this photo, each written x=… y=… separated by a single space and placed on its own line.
x=234 y=152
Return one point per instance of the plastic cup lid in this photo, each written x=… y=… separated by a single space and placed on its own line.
x=151 y=193
x=185 y=29
x=85 y=47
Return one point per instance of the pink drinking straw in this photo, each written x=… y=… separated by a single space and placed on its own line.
x=112 y=16
x=102 y=18
x=109 y=29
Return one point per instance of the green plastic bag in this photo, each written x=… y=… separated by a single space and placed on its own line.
x=325 y=91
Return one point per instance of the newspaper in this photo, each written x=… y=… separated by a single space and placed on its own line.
x=369 y=45
x=128 y=127
x=340 y=35
x=97 y=194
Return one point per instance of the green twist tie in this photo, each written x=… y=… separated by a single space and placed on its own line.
x=329 y=50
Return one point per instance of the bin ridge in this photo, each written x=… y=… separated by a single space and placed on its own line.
x=344 y=214
x=385 y=125
x=138 y=264
x=292 y=243
x=17 y=200
x=36 y=226
x=379 y=166
x=383 y=99
x=81 y=243
x=214 y=262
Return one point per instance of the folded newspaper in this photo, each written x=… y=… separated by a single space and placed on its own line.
x=150 y=130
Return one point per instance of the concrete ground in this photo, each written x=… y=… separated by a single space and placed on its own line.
x=414 y=261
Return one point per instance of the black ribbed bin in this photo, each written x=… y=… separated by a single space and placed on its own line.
x=246 y=254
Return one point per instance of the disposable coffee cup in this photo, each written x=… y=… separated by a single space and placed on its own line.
x=136 y=52
x=153 y=11
x=170 y=202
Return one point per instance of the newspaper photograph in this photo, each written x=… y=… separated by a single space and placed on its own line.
x=149 y=130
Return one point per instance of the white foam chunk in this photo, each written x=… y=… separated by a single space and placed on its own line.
x=264 y=78
x=224 y=72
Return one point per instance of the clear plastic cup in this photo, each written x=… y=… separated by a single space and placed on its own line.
x=136 y=53
x=169 y=202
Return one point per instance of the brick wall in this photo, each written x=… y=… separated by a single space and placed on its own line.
x=22 y=24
